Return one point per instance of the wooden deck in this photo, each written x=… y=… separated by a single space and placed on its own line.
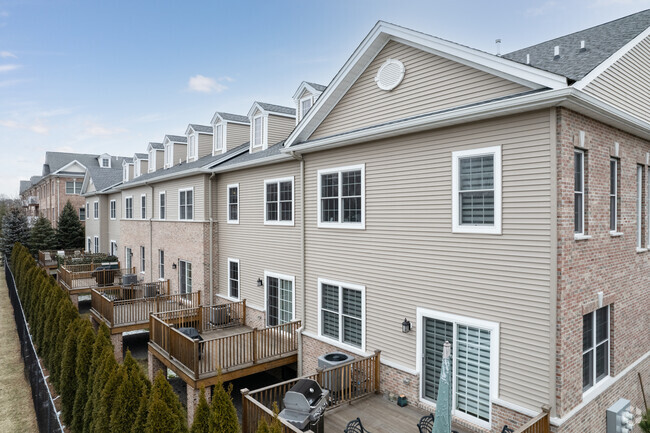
x=80 y=279
x=378 y=415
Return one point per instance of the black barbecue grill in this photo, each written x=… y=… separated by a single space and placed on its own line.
x=304 y=405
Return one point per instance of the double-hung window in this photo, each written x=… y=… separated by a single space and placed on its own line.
x=191 y=150
x=143 y=206
x=82 y=214
x=185 y=276
x=613 y=195
x=474 y=345
x=73 y=187
x=96 y=249
x=476 y=191
x=162 y=198
x=595 y=347
x=218 y=138
x=579 y=192
x=257 y=131
x=161 y=264
x=342 y=313
x=128 y=208
x=185 y=204
x=142 y=260
x=233 y=204
x=169 y=155
x=96 y=210
x=90 y=246
x=112 y=208
x=279 y=298
x=128 y=257
x=305 y=105
x=113 y=248
x=233 y=279
x=639 y=206
x=341 y=197
x=278 y=201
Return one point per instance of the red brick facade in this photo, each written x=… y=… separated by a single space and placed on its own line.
x=52 y=197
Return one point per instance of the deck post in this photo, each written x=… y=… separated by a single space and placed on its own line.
x=196 y=359
x=254 y=339
x=244 y=410
x=319 y=375
x=377 y=370
x=118 y=347
x=244 y=312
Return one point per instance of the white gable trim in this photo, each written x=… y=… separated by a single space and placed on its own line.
x=591 y=76
x=384 y=32
x=266 y=112
x=69 y=165
x=217 y=118
x=306 y=86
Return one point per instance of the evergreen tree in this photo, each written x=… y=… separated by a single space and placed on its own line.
x=140 y=423
x=274 y=427
x=42 y=236
x=102 y=423
x=102 y=343
x=14 y=229
x=70 y=231
x=84 y=358
x=127 y=397
x=201 y=422
x=68 y=378
x=223 y=417
x=67 y=314
x=106 y=367
x=166 y=414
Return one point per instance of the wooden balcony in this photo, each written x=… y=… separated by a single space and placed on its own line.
x=128 y=308
x=227 y=345
x=80 y=279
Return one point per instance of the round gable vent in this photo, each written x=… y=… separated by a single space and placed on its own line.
x=390 y=74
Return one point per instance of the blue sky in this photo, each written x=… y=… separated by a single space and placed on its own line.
x=110 y=76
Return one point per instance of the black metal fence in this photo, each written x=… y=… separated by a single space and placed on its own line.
x=46 y=414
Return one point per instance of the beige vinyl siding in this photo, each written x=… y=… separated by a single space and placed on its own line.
x=93 y=226
x=160 y=159
x=91 y=187
x=114 y=225
x=144 y=166
x=171 y=188
x=180 y=153
x=430 y=83
x=279 y=128
x=205 y=145
x=626 y=84
x=408 y=257
x=258 y=247
x=131 y=171
x=236 y=135
x=136 y=193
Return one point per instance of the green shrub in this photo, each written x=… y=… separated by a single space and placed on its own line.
x=107 y=366
x=166 y=415
x=68 y=379
x=140 y=423
x=645 y=422
x=223 y=416
x=201 y=422
x=102 y=422
x=127 y=396
x=84 y=359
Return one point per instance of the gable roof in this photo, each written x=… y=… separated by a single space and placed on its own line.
x=601 y=42
x=272 y=109
x=176 y=139
x=384 y=32
x=313 y=88
x=199 y=128
x=24 y=186
x=317 y=87
x=140 y=156
x=156 y=146
x=229 y=117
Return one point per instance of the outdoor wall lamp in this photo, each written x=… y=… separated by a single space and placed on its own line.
x=259 y=282
x=406 y=326
x=173 y=265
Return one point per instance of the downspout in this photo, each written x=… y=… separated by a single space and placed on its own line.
x=212 y=176
x=151 y=235
x=302 y=258
x=58 y=205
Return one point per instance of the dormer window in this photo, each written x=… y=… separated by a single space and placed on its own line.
x=257 y=131
x=136 y=170
x=169 y=155
x=305 y=105
x=152 y=160
x=105 y=162
x=218 y=138
x=125 y=173
x=191 y=147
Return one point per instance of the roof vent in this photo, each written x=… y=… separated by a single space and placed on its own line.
x=528 y=59
x=582 y=46
x=498 y=42
x=556 y=52
x=390 y=74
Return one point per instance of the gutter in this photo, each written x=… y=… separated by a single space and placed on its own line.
x=569 y=97
x=255 y=162
x=302 y=259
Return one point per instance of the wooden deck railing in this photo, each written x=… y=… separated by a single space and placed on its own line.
x=540 y=424
x=346 y=383
x=205 y=358
x=87 y=276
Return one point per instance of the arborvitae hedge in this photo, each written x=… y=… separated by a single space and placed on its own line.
x=223 y=415
x=201 y=422
x=84 y=358
x=166 y=415
x=68 y=378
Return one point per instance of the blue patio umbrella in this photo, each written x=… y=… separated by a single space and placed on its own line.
x=442 y=423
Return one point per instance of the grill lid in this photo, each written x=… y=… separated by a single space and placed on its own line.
x=310 y=389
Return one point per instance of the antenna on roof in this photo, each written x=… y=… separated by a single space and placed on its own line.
x=498 y=42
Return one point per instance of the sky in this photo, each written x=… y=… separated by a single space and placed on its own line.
x=110 y=76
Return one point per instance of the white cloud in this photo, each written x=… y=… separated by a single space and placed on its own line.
x=9 y=124
x=199 y=83
x=605 y=3
x=7 y=68
x=227 y=79
x=541 y=9
x=5 y=54
x=95 y=130
x=40 y=129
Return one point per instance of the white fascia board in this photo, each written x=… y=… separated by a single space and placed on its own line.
x=217 y=118
x=253 y=108
x=180 y=174
x=587 y=79
x=281 y=157
x=189 y=130
x=570 y=98
x=304 y=85
x=381 y=34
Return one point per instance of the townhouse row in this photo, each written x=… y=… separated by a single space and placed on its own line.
x=430 y=193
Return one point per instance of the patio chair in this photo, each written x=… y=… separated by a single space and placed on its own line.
x=355 y=426
x=507 y=429
x=426 y=423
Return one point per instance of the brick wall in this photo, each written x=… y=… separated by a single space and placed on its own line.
x=603 y=263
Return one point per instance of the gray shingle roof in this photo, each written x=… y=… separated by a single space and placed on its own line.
x=105 y=177
x=277 y=108
x=600 y=43
x=141 y=156
x=176 y=138
x=157 y=146
x=318 y=87
x=201 y=128
x=34 y=179
x=233 y=117
x=128 y=160
x=247 y=156
x=24 y=186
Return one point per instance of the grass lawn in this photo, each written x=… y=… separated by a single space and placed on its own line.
x=16 y=405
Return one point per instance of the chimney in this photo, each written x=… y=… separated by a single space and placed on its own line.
x=498 y=42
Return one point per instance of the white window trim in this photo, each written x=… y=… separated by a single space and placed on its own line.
x=143 y=260
x=161 y=265
x=339 y=224
x=96 y=246
x=614 y=232
x=179 y=276
x=112 y=206
x=639 y=206
x=266 y=294
x=113 y=251
x=192 y=146
x=264 y=134
x=89 y=242
x=96 y=210
x=457 y=227
x=169 y=155
x=231 y=221
x=310 y=98
x=493 y=327
x=126 y=199
x=597 y=386
x=128 y=257
x=179 y=204
x=232 y=298
x=647 y=182
x=143 y=217
x=293 y=205
x=339 y=343
x=222 y=149
x=152 y=161
x=163 y=193
x=580 y=235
